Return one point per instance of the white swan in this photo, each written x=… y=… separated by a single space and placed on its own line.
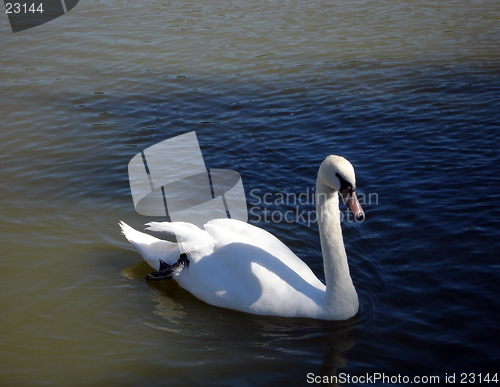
x=235 y=265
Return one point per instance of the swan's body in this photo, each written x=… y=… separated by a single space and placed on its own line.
x=235 y=265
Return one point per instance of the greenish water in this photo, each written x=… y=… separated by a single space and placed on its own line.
x=407 y=91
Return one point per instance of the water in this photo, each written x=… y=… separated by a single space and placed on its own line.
x=408 y=92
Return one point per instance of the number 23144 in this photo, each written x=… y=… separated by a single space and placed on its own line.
x=23 y=8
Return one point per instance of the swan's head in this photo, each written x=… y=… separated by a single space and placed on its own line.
x=338 y=174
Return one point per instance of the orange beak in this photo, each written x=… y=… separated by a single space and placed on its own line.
x=351 y=200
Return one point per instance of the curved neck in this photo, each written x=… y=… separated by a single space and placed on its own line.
x=341 y=298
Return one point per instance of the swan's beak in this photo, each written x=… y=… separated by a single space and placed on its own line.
x=353 y=203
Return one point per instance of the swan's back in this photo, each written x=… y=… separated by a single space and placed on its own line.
x=235 y=265
x=252 y=271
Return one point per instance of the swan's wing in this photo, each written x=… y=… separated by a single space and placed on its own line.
x=151 y=248
x=181 y=229
x=224 y=231
x=252 y=271
x=191 y=239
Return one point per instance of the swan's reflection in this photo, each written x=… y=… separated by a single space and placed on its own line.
x=285 y=343
x=336 y=336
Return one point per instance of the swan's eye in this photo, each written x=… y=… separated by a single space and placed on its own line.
x=344 y=184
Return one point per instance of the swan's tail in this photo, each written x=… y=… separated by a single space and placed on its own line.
x=151 y=248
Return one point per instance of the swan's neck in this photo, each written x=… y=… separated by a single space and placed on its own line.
x=341 y=299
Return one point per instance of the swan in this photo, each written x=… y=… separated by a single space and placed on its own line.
x=235 y=265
